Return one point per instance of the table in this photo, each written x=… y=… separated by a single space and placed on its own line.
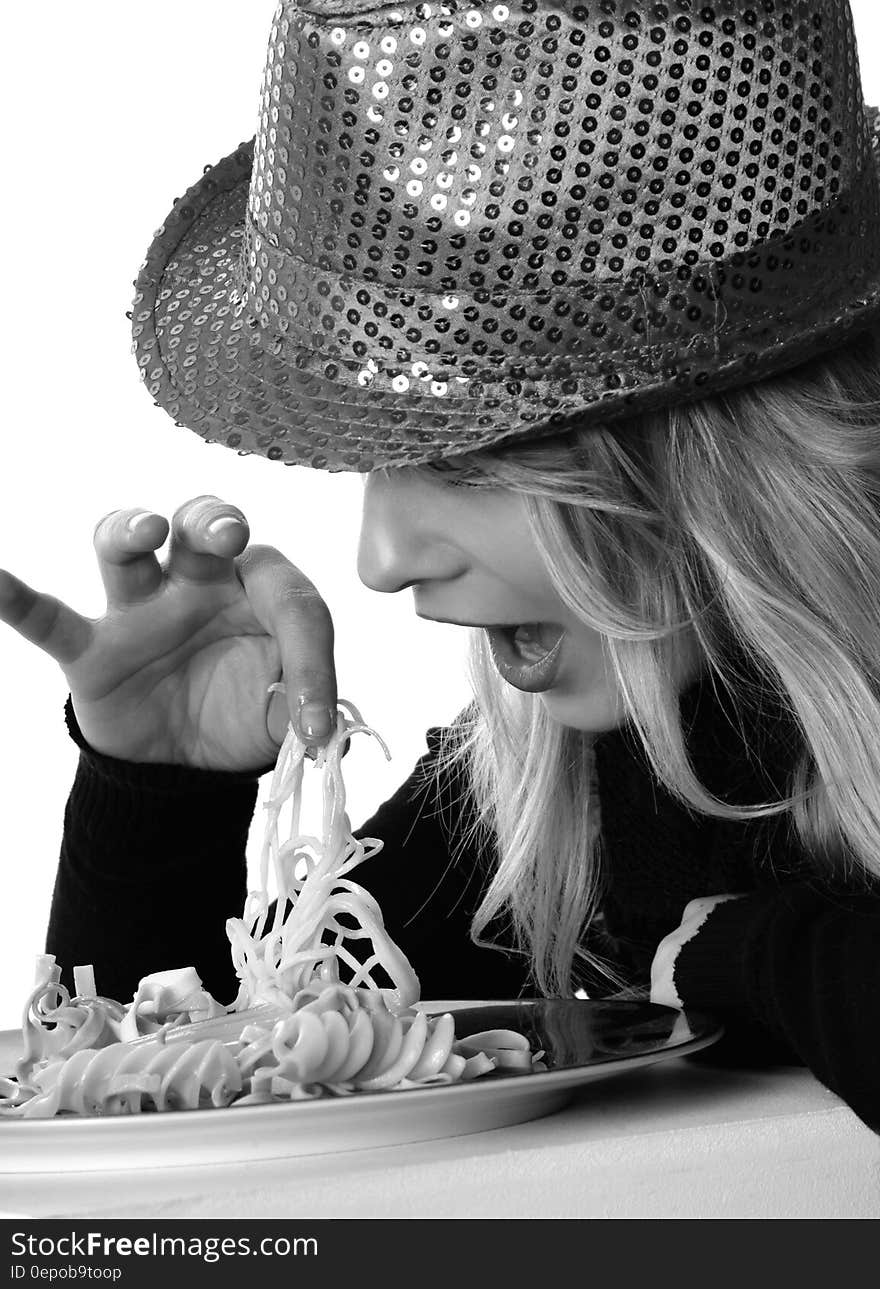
x=677 y=1139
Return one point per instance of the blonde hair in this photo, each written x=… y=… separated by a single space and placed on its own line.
x=749 y=518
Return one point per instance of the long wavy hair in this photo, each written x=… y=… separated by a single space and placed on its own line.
x=748 y=518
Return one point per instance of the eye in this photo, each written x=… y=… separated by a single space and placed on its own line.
x=454 y=476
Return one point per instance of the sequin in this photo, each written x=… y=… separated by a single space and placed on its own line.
x=460 y=224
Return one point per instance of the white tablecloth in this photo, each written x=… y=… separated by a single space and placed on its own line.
x=673 y=1140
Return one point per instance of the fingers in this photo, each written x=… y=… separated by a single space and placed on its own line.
x=206 y=536
x=125 y=543
x=45 y=621
x=287 y=604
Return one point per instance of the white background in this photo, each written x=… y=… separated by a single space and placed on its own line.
x=110 y=111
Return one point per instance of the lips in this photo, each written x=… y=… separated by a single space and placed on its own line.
x=527 y=657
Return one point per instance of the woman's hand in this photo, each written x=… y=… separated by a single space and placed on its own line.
x=177 y=670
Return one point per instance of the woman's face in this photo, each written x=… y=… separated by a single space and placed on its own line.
x=469 y=557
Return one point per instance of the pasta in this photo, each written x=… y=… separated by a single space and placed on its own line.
x=311 y=1017
x=274 y=962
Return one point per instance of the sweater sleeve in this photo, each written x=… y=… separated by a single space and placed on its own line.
x=803 y=965
x=152 y=864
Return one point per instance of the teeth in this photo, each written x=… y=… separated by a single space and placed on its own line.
x=526 y=633
x=526 y=640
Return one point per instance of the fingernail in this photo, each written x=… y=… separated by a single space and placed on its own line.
x=220 y=525
x=137 y=519
x=316 y=720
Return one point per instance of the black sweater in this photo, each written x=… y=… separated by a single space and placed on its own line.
x=153 y=863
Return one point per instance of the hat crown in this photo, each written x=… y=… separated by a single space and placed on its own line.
x=548 y=145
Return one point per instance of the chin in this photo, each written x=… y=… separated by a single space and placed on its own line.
x=593 y=713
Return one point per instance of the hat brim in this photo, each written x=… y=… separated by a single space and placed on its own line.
x=219 y=374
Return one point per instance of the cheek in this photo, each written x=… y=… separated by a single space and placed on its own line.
x=587 y=665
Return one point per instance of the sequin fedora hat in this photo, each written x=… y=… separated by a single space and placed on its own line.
x=462 y=225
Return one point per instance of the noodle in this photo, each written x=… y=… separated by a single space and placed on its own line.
x=274 y=963
x=310 y=1018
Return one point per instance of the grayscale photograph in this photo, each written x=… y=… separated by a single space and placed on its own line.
x=439 y=625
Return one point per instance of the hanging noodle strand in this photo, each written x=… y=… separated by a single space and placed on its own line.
x=305 y=938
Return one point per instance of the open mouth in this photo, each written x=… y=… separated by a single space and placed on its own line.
x=534 y=640
x=527 y=655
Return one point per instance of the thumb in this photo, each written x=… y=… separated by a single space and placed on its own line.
x=278 y=717
x=46 y=622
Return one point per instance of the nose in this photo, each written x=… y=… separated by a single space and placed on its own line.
x=402 y=540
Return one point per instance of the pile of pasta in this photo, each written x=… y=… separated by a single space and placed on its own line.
x=310 y=1019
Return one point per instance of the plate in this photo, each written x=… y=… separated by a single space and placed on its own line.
x=583 y=1040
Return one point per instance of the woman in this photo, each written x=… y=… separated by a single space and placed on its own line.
x=647 y=473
